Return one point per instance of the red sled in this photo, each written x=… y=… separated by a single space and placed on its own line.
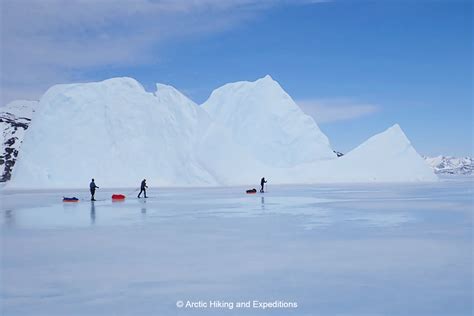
x=118 y=197
x=253 y=191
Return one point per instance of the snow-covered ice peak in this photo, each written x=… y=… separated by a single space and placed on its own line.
x=264 y=92
x=266 y=120
x=391 y=155
x=391 y=139
x=125 y=83
x=180 y=105
x=267 y=80
x=395 y=129
x=166 y=93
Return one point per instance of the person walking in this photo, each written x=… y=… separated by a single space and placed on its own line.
x=143 y=188
x=262 y=183
x=92 y=188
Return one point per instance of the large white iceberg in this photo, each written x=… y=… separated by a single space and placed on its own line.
x=262 y=117
x=385 y=157
x=118 y=133
x=114 y=131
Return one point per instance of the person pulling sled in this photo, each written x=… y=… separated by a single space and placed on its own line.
x=143 y=188
x=92 y=188
x=262 y=184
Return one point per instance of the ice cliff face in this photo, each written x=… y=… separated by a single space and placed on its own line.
x=15 y=118
x=118 y=133
x=451 y=165
x=114 y=131
x=262 y=117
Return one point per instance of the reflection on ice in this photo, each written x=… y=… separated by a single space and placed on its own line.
x=9 y=218
x=92 y=212
x=314 y=207
x=144 y=207
x=336 y=250
x=110 y=213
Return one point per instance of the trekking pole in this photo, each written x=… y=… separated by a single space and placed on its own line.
x=133 y=191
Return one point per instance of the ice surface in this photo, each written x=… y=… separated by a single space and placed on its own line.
x=341 y=249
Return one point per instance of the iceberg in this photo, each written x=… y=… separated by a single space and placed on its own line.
x=118 y=133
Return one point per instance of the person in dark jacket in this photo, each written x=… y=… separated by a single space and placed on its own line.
x=143 y=188
x=262 y=183
x=92 y=188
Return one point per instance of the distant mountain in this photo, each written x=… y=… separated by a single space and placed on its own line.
x=15 y=118
x=338 y=153
x=451 y=165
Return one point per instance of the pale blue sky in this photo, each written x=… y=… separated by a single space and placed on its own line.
x=357 y=66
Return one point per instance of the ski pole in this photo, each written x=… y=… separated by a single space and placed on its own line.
x=133 y=191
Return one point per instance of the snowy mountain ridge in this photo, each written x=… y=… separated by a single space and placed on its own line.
x=451 y=165
x=118 y=133
x=15 y=119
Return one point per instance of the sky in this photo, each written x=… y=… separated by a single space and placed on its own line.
x=356 y=66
